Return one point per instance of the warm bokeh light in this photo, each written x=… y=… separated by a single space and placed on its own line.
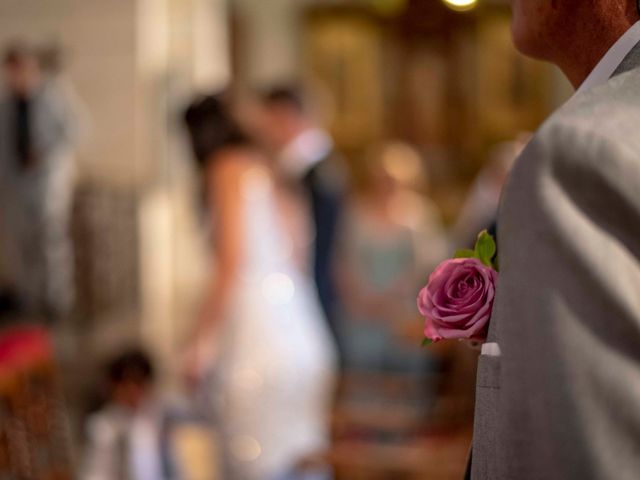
x=461 y=5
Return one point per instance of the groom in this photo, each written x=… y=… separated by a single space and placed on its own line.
x=307 y=158
x=558 y=388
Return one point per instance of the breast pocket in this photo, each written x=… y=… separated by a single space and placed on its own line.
x=488 y=372
x=485 y=439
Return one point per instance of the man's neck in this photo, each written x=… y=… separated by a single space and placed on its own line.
x=585 y=51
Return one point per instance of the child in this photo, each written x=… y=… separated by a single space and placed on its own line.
x=139 y=436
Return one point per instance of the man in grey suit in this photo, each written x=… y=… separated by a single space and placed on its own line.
x=558 y=388
x=38 y=133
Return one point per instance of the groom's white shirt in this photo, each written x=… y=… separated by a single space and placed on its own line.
x=606 y=67
x=304 y=152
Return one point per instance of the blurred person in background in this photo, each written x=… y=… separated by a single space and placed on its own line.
x=51 y=59
x=261 y=329
x=480 y=207
x=306 y=158
x=38 y=134
x=392 y=236
x=35 y=438
x=140 y=434
x=123 y=437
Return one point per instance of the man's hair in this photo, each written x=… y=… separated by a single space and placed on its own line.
x=284 y=95
x=130 y=366
x=51 y=58
x=16 y=54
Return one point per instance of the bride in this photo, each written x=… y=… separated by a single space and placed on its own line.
x=274 y=360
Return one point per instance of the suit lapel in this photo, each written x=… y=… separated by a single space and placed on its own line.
x=630 y=62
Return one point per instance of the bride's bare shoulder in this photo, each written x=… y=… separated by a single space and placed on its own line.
x=234 y=162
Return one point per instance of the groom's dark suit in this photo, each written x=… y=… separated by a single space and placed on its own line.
x=325 y=196
x=562 y=399
x=324 y=187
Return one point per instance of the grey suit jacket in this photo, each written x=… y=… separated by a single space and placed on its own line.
x=562 y=401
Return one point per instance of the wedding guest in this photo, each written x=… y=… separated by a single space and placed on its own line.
x=37 y=139
x=392 y=237
x=139 y=433
x=123 y=437
x=307 y=158
x=51 y=60
x=35 y=441
x=559 y=379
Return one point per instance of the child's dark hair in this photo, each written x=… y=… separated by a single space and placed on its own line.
x=131 y=366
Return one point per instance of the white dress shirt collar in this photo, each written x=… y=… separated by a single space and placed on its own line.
x=304 y=152
x=613 y=58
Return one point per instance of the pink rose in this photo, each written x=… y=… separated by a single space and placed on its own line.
x=458 y=300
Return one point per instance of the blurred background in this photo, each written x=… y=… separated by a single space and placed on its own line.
x=426 y=101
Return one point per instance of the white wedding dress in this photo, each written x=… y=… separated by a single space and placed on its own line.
x=274 y=378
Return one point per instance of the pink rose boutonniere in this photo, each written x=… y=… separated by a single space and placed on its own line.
x=458 y=299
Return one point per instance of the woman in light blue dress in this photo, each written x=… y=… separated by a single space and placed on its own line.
x=392 y=236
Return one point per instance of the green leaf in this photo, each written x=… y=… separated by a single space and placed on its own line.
x=485 y=248
x=426 y=342
x=465 y=253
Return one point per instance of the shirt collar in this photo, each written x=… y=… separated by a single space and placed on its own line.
x=613 y=58
x=305 y=151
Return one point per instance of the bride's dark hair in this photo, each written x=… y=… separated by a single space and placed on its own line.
x=212 y=128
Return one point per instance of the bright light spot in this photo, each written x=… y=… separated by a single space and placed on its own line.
x=402 y=163
x=245 y=448
x=461 y=5
x=278 y=288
